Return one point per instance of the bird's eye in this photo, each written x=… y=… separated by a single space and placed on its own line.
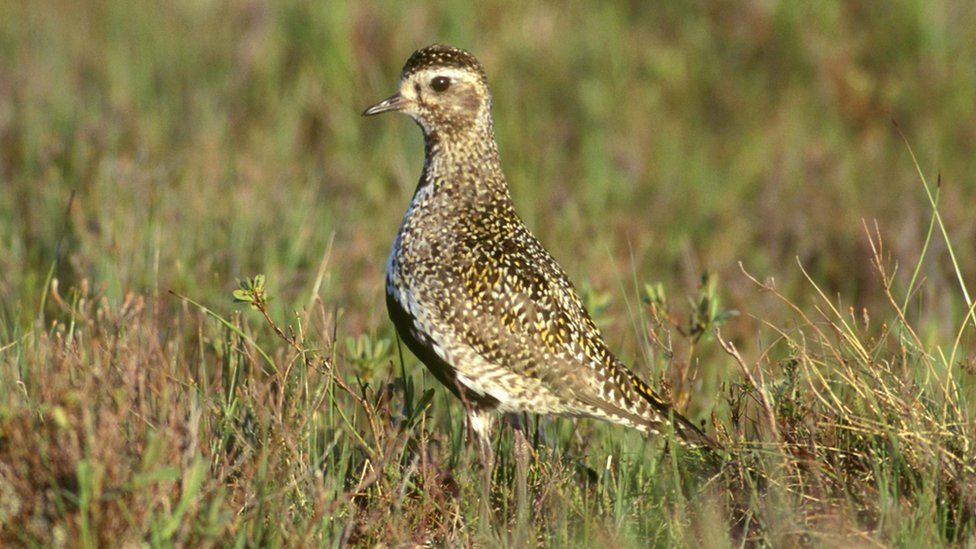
x=440 y=83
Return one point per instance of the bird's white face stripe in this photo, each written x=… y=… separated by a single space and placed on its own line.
x=423 y=77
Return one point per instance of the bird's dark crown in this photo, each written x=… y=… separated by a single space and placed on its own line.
x=440 y=55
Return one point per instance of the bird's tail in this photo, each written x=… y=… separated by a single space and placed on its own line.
x=687 y=432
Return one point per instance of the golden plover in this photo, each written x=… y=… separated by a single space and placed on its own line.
x=474 y=294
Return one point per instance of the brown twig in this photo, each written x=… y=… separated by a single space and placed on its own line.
x=759 y=386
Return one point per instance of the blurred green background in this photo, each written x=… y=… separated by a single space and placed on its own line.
x=644 y=142
x=157 y=147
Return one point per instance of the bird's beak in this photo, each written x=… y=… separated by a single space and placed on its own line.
x=393 y=103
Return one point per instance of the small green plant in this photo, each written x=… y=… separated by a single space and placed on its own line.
x=368 y=353
x=684 y=357
x=706 y=310
x=251 y=291
x=655 y=295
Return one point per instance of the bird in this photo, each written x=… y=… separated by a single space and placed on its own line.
x=473 y=293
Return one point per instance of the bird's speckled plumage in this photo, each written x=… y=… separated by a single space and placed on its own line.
x=474 y=294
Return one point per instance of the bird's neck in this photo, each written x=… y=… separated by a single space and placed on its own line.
x=464 y=162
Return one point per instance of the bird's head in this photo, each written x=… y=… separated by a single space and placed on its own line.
x=443 y=88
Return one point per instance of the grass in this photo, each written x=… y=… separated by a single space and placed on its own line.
x=152 y=155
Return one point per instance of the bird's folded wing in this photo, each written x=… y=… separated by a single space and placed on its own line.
x=523 y=314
